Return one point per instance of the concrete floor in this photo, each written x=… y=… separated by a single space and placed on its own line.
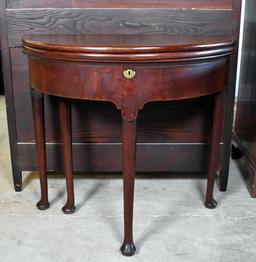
x=171 y=223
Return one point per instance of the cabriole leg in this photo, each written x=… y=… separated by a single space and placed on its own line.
x=129 y=161
x=215 y=141
x=38 y=116
x=65 y=126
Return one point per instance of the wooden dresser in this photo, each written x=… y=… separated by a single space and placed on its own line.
x=244 y=129
x=171 y=136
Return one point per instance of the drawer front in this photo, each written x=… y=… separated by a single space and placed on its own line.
x=129 y=92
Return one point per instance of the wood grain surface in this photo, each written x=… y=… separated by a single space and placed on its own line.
x=118 y=21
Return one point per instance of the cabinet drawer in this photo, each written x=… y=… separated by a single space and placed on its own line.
x=151 y=82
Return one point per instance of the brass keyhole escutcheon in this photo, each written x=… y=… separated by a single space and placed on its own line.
x=129 y=74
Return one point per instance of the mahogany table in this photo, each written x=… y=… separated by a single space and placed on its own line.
x=129 y=71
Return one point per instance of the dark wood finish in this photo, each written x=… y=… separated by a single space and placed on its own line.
x=244 y=129
x=210 y=78
x=9 y=96
x=81 y=45
x=127 y=48
x=65 y=126
x=216 y=136
x=119 y=21
x=188 y=129
x=82 y=67
x=95 y=157
x=38 y=115
x=129 y=164
x=229 y=116
x=191 y=125
x=229 y=110
x=166 y=81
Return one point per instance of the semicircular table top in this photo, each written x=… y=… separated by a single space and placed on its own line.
x=126 y=47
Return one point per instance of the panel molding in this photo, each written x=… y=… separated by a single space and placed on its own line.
x=99 y=157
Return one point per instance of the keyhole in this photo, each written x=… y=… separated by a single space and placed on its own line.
x=129 y=74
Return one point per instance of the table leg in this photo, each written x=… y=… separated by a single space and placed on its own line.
x=38 y=117
x=215 y=141
x=65 y=126
x=129 y=162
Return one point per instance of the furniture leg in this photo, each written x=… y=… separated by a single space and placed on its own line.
x=229 y=103
x=224 y=172
x=65 y=126
x=38 y=116
x=17 y=180
x=215 y=141
x=129 y=162
x=236 y=153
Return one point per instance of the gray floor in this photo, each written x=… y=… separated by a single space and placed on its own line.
x=171 y=223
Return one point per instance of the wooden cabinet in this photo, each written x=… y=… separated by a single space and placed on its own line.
x=244 y=130
x=1 y=75
x=168 y=133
